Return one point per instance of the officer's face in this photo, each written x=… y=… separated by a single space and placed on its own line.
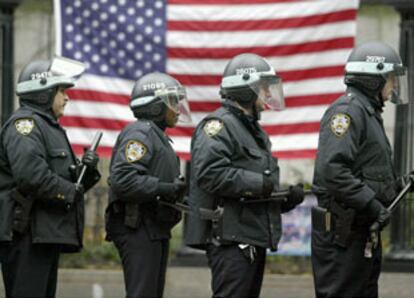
x=389 y=87
x=171 y=117
x=260 y=102
x=61 y=98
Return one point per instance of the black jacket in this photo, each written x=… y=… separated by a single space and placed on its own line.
x=142 y=160
x=35 y=159
x=354 y=162
x=229 y=154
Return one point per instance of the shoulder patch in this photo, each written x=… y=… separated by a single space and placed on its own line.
x=340 y=123
x=134 y=151
x=24 y=126
x=213 y=127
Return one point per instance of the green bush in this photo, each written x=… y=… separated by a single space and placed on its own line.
x=102 y=255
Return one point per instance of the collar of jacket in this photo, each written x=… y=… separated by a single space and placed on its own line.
x=230 y=106
x=372 y=105
x=46 y=115
x=250 y=122
x=159 y=131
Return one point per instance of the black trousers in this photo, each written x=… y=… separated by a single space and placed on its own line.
x=30 y=270
x=144 y=262
x=344 y=272
x=232 y=273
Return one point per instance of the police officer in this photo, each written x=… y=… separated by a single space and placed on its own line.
x=231 y=161
x=144 y=173
x=354 y=176
x=41 y=208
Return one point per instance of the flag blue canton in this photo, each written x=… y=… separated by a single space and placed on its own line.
x=115 y=38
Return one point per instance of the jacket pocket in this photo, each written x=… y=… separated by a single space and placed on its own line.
x=59 y=162
x=381 y=182
x=253 y=153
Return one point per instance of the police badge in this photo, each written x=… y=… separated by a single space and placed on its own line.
x=212 y=127
x=24 y=126
x=135 y=151
x=340 y=123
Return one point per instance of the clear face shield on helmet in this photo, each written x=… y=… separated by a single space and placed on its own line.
x=399 y=83
x=176 y=99
x=62 y=66
x=269 y=89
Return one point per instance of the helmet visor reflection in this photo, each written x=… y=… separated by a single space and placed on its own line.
x=270 y=90
x=399 y=94
x=176 y=99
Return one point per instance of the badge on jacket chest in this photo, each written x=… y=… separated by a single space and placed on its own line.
x=213 y=127
x=24 y=126
x=340 y=123
x=135 y=151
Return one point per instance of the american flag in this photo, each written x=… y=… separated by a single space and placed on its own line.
x=307 y=42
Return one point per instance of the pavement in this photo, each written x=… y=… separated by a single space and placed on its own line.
x=183 y=282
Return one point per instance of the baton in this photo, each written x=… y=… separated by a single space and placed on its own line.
x=202 y=213
x=279 y=196
x=400 y=196
x=94 y=146
x=373 y=238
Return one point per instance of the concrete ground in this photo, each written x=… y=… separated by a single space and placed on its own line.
x=194 y=282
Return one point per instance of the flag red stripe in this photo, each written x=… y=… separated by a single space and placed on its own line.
x=89 y=122
x=293 y=75
x=268 y=51
x=106 y=151
x=283 y=129
x=269 y=24
x=295 y=154
x=97 y=96
x=291 y=154
x=108 y=124
x=290 y=102
x=311 y=100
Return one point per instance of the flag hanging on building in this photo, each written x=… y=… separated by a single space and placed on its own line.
x=307 y=42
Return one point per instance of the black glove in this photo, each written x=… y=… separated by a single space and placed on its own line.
x=90 y=159
x=172 y=192
x=379 y=214
x=180 y=187
x=79 y=192
x=268 y=186
x=296 y=194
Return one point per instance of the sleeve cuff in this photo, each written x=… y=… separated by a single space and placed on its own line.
x=165 y=188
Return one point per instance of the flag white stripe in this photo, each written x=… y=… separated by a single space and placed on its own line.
x=256 y=11
x=280 y=63
x=105 y=84
x=83 y=136
x=230 y=39
x=104 y=110
x=279 y=143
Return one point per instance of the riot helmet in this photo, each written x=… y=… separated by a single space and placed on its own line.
x=371 y=64
x=39 y=80
x=249 y=76
x=156 y=92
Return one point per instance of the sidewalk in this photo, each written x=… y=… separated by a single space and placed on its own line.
x=194 y=282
